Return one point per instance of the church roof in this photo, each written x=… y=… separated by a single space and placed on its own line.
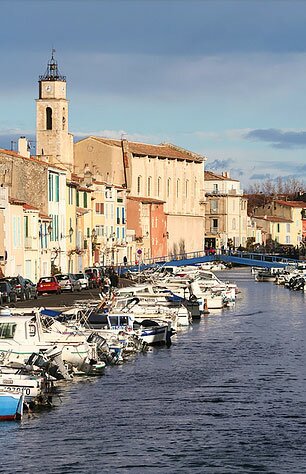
x=163 y=150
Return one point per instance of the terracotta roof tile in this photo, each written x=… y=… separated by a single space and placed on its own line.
x=272 y=218
x=210 y=176
x=161 y=150
x=300 y=204
x=145 y=200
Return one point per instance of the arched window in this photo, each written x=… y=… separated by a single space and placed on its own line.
x=168 y=186
x=158 y=186
x=64 y=119
x=49 y=118
x=149 y=185
x=139 y=185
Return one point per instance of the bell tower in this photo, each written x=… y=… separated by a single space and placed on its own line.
x=53 y=141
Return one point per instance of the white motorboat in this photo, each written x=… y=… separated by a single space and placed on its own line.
x=23 y=334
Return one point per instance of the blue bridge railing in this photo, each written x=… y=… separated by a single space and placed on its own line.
x=253 y=259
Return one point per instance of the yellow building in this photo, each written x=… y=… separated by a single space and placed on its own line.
x=226 y=212
x=161 y=172
x=285 y=220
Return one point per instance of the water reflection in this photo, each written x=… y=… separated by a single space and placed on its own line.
x=227 y=397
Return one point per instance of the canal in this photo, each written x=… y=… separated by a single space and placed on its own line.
x=229 y=396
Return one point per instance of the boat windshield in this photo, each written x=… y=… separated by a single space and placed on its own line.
x=7 y=330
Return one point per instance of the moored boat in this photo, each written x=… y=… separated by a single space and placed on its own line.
x=11 y=405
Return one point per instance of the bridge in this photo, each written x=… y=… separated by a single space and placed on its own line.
x=252 y=259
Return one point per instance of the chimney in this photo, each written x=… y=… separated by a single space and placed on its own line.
x=23 y=147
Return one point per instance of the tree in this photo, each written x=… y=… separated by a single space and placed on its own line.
x=277 y=186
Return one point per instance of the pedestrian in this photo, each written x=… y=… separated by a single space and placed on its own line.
x=125 y=260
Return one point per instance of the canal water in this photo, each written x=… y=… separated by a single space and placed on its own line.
x=229 y=396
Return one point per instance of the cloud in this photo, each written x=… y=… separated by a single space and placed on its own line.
x=278 y=138
x=260 y=176
x=219 y=164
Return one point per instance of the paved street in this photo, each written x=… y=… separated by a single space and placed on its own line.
x=65 y=298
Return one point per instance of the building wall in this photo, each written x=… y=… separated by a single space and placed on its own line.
x=177 y=182
x=229 y=210
x=15 y=245
x=180 y=185
x=104 y=161
x=25 y=178
x=158 y=231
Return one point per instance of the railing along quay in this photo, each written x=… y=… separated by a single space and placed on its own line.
x=252 y=259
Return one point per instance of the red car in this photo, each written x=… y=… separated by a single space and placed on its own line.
x=48 y=285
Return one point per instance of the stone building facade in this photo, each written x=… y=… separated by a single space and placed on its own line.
x=226 y=212
x=155 y=172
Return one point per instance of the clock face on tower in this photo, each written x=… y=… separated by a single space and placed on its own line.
x=48 y=88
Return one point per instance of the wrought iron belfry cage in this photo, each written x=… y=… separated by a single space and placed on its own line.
x=52 y=73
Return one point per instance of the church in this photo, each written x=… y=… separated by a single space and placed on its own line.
x=103 y=200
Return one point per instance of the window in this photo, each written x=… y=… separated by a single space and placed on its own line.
x=64 y=119
x=123 y=215
x=278 y=228
x=186 y=188
x=99 y=229
x=288 y=228
x=213 y=206
x=234 y=224
x=177 y=188
x=158 y=186
x=215 y=225
x=70 y=195
x=149 y=185
x=287 y=239
x=32 y=330
x=139 y=185
x=215 y=188
x=168 y=186
x=53 y=182
x=48 y=118
x=54 y=226
x=7 y=330
x=26 y=226
x=85 y=199
x=77 y=198
x=99 y=207
x=118 y=215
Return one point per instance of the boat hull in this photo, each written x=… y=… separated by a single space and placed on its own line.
x=11 y=406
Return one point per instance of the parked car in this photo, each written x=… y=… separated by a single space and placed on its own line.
x=68 y=282
x=19 y=285
x=83 y=279
x=8 y=294
x=48 y=285
x=32 y=288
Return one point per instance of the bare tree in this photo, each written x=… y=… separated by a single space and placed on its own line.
x=276 y=186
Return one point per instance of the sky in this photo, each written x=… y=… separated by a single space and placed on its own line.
x=225 y=79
